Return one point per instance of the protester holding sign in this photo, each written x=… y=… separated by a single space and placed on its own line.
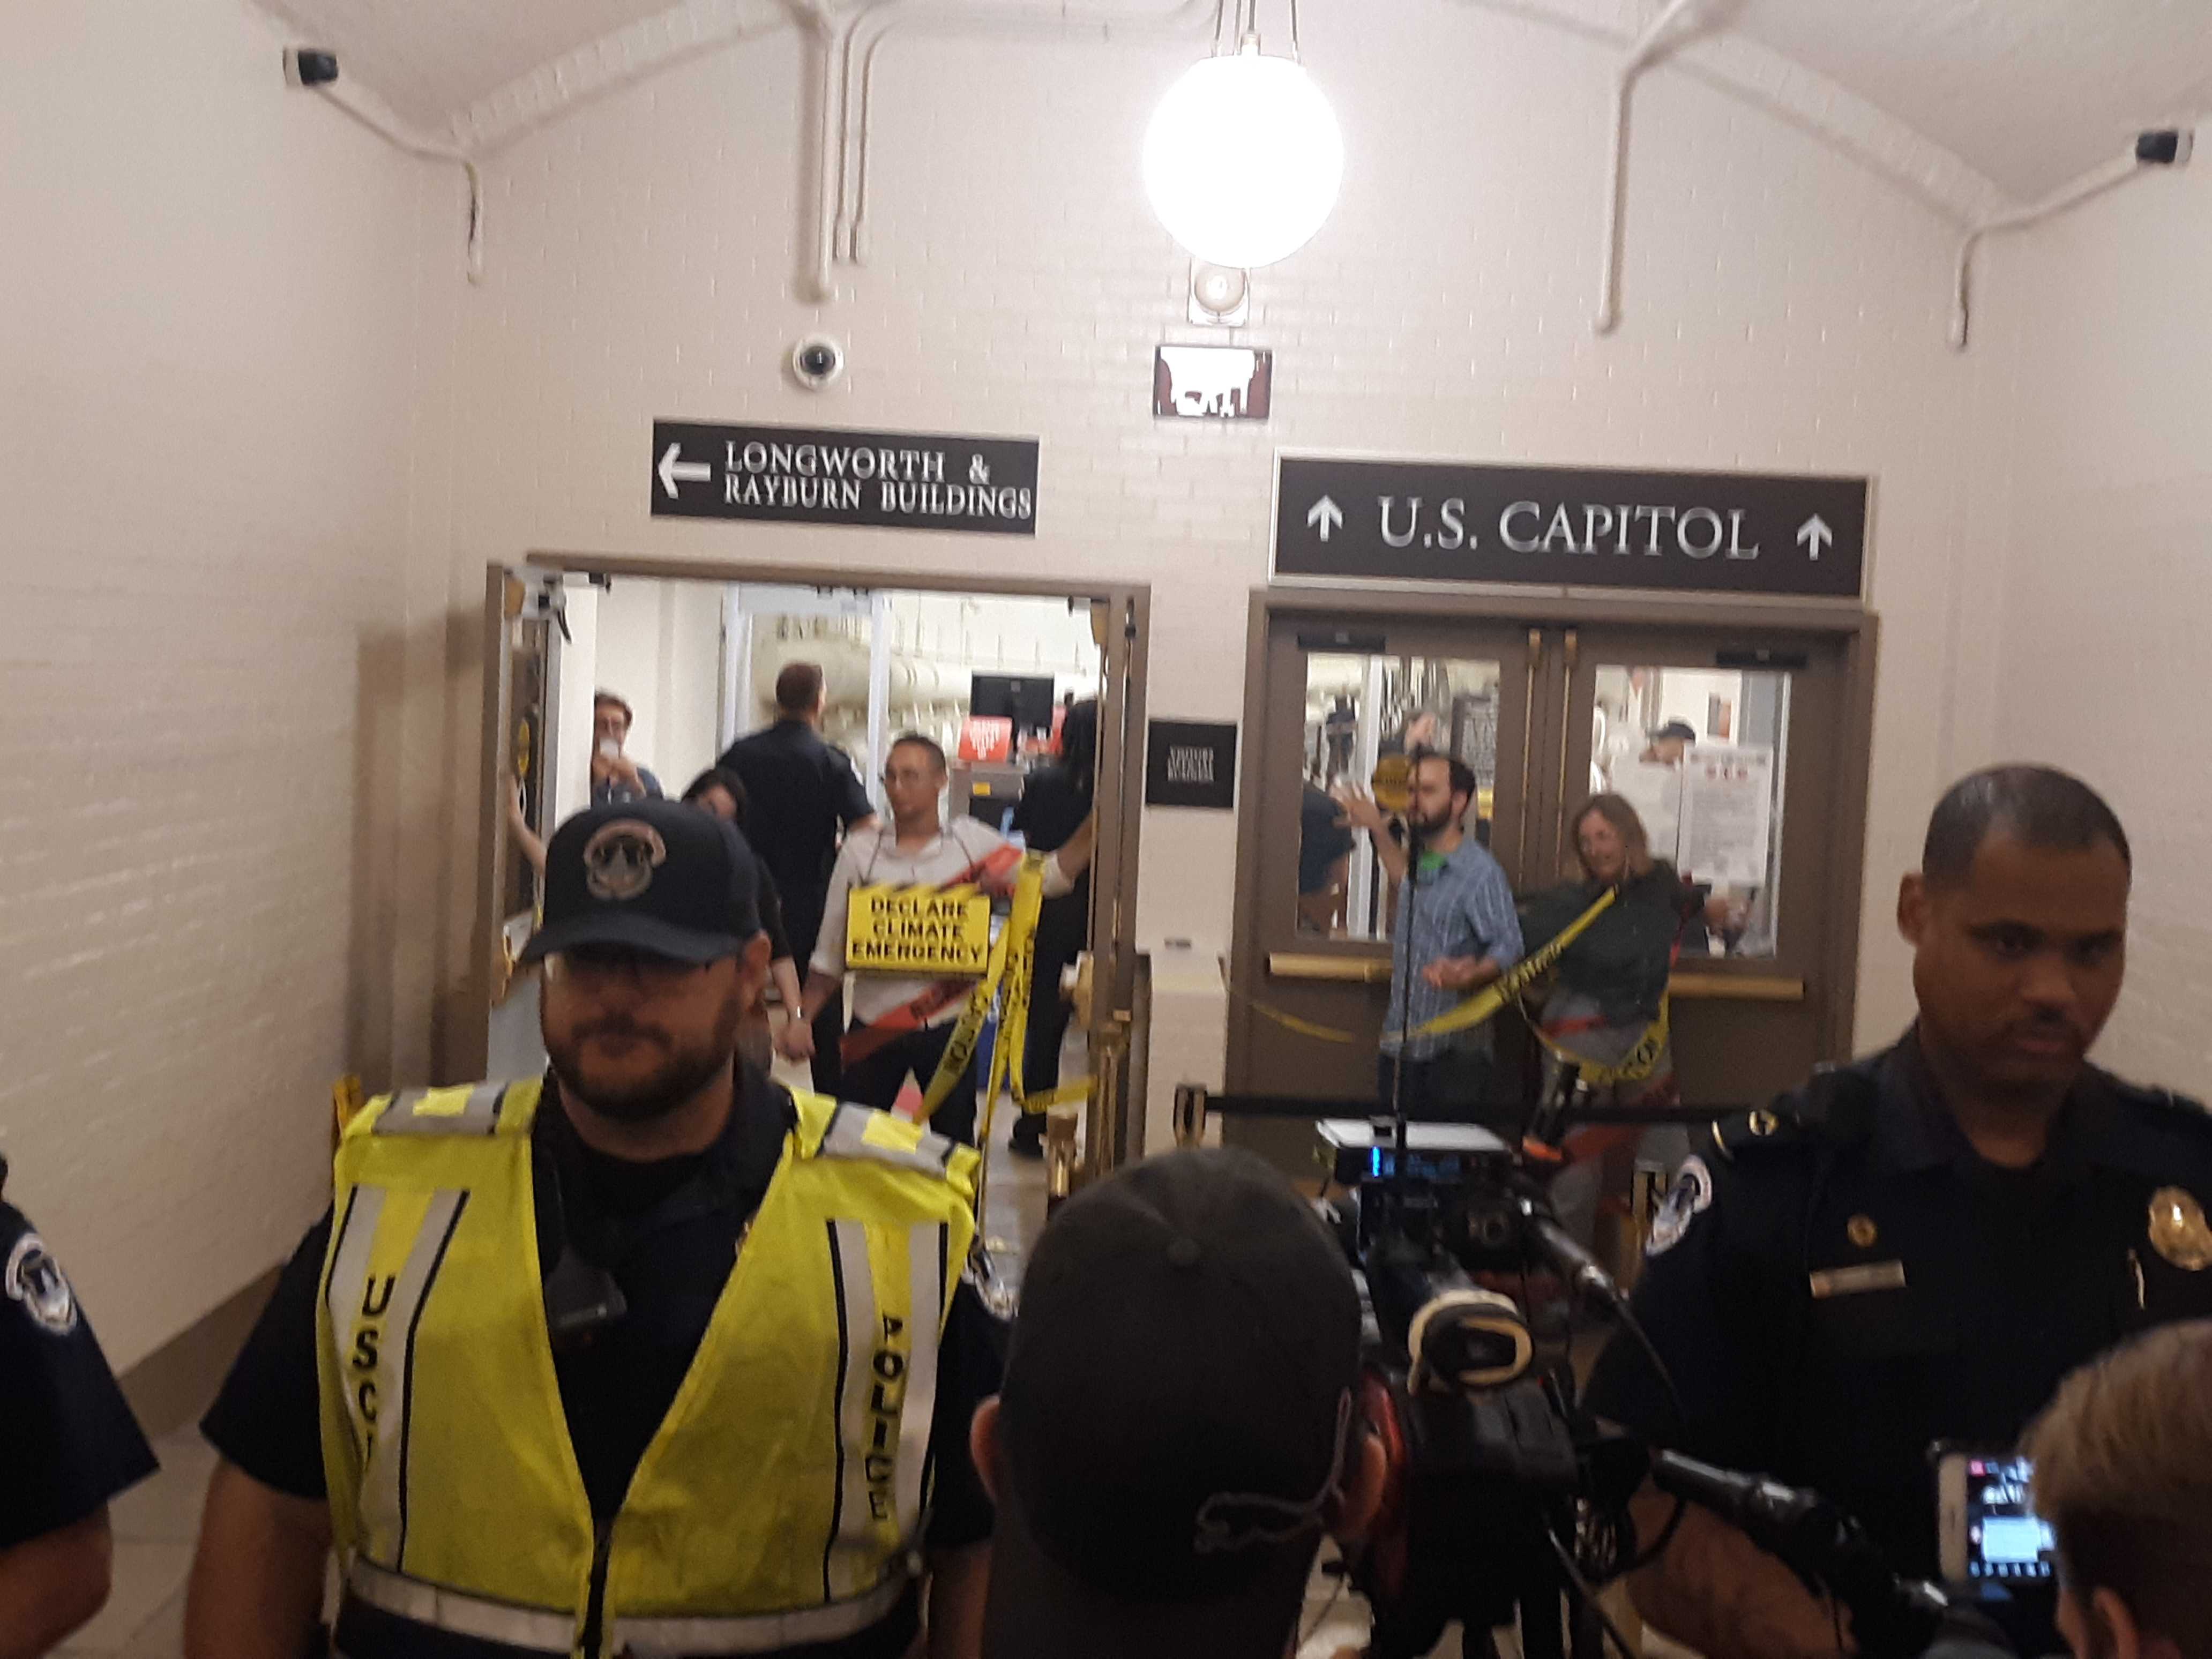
x=904 y=1019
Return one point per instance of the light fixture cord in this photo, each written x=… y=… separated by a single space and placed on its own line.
x=1295 y=58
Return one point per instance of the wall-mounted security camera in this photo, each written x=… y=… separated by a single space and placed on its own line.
x=817 y=362
x=308 y=66
x=2164 y=147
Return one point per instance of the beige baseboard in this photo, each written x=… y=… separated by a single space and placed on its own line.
x=176 y=1383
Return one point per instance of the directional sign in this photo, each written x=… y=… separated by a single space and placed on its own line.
x=796 y=475
x=1716 y=532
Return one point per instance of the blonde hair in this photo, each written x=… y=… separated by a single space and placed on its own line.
x=2123 y=1474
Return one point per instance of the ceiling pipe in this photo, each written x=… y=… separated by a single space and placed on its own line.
x=868 y=43
x=833 y=37
x=2158 y=149
x=371 y=112
x=1659 y=40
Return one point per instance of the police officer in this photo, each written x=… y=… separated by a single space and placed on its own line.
x=68 y=1443
x=1916 y=1249
x=649 y=1357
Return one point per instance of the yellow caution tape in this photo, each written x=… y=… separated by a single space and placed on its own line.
x=1007 y=981
x=1637 y=1064
x=1291 y=1021
x=347 y=1098
x=1515 y=980
x=1482 y=1005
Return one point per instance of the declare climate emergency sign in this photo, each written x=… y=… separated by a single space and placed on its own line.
x=890 y=480
x=942 y=932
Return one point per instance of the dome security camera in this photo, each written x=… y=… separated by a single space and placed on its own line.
x=817 y=362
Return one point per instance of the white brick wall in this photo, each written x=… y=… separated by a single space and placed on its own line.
x=1786 y=309
x=203 y=388
x=2103 y=521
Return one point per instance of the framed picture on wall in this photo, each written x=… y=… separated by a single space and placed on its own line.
x=1720 y=718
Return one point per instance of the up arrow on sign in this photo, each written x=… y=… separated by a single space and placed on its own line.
x=671 y=469
x=1814 y=535
x=1326 y=513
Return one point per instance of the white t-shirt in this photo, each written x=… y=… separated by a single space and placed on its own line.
x=874 y=859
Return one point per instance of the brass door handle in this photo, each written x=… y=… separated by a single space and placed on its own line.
x=1522 y=853
x=1736 y=987
x=1571 y=653
x=1342 y=970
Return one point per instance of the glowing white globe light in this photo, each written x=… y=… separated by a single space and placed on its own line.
x=1242 y=160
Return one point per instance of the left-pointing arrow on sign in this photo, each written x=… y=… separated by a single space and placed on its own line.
x=671 y=469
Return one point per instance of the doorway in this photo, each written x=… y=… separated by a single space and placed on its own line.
x=986 y=668
x=1739 y=732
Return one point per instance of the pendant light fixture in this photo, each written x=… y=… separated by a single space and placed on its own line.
x=1244 y=157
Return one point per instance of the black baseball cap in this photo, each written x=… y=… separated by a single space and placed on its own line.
x=1177 y=1405
x=655 y=875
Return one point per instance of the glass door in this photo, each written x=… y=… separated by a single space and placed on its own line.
x=1345 y=706
x=1727 y=748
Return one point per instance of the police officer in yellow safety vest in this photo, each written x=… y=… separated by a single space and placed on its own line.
x=649 y=1357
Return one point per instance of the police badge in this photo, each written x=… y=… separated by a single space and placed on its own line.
x=35 y=1278
x=2179 y=1230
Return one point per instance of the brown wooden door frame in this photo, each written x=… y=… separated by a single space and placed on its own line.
x=1607 y=623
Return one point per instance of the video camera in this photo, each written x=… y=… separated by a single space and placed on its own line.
x=1506 y=1496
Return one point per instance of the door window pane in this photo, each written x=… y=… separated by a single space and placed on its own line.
x=1364 y=715
x=1702 y=755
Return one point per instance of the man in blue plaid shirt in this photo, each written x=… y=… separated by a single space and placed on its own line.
x=1456 y=930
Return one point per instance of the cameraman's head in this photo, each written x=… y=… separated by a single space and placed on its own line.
x=2124 y=1476
x=1178 y=1425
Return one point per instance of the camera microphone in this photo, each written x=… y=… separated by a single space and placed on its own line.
x=1824 y=1546
x=1576 y=1266
x=1761 y=1509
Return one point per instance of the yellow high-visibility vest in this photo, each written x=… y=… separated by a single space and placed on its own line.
x=782 y=1500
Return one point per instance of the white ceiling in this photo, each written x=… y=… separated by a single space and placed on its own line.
x=432 y=60
x=2028 y=94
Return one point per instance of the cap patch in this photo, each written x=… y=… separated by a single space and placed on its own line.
x=35 y=1278
x=620 y=857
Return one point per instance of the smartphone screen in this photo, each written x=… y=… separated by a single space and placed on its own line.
x=2005 y=1539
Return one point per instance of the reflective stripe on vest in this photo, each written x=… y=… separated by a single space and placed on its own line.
x=527 y=1630
x=782 y=1496
x=471 y=1111
x=696 y=1639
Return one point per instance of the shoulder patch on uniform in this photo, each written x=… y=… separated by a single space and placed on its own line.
x=1690 y=1196
x=35 y=1278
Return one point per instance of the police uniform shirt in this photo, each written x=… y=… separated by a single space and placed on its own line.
x=1839 y=1285
x=799 y=792
x=1053 y=807
x=68 y=1441
x=668 y=1232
